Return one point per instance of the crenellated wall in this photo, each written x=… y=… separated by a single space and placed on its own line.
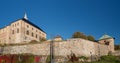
x=80 y=47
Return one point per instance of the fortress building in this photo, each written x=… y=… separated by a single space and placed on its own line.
x=21 y=31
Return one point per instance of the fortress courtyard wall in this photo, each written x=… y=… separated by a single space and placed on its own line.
x=79 y=47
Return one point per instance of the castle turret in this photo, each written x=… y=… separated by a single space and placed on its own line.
x=107 y=40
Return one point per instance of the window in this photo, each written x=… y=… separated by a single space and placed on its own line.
x=36 y=35
x=12 y=31
x=27 y=26
x=9 y=38
x=27 y=32
x=32 y=34
x=106 y=43
x=32 y=29
x=36 y=30
x=15 y=25
x=17 y=30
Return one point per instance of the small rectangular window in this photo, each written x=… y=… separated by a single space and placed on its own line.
x=9 y=38
x=15 y=25
x=27 y=32
x=17 y=30
x=12 y=31
x=32 y=29
x=36 y=35
x=32 y=34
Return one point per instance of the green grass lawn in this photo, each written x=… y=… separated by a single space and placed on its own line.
x=103 y=59
x=109 y=59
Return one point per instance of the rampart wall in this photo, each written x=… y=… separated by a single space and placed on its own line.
x=80 y=47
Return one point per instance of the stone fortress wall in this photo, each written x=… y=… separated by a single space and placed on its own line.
x=79 y=46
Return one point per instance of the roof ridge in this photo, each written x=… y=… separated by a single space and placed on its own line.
x=25 y=20
x=105 y=36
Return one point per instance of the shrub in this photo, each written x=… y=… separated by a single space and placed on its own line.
x=31 y=59
x=48 y=59
x=117 y=47
x=3 y=61
x=73 y=58
x=33 y=41
x=42 y=39
x=83 y=57
x=108 y=58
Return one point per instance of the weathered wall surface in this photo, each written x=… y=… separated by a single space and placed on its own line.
x=80 y=47
x=101 y=49
x=117 y=53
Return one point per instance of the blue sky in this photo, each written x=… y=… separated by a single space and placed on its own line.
x=64 y=17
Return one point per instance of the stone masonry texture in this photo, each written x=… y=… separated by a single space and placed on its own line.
x=80 y=47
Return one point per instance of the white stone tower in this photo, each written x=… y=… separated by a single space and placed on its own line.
x=107 y=40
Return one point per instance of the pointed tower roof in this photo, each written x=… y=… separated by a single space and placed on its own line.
x=25 y=16
x=105 y=36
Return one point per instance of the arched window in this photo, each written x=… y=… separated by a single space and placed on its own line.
x=27 y=32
